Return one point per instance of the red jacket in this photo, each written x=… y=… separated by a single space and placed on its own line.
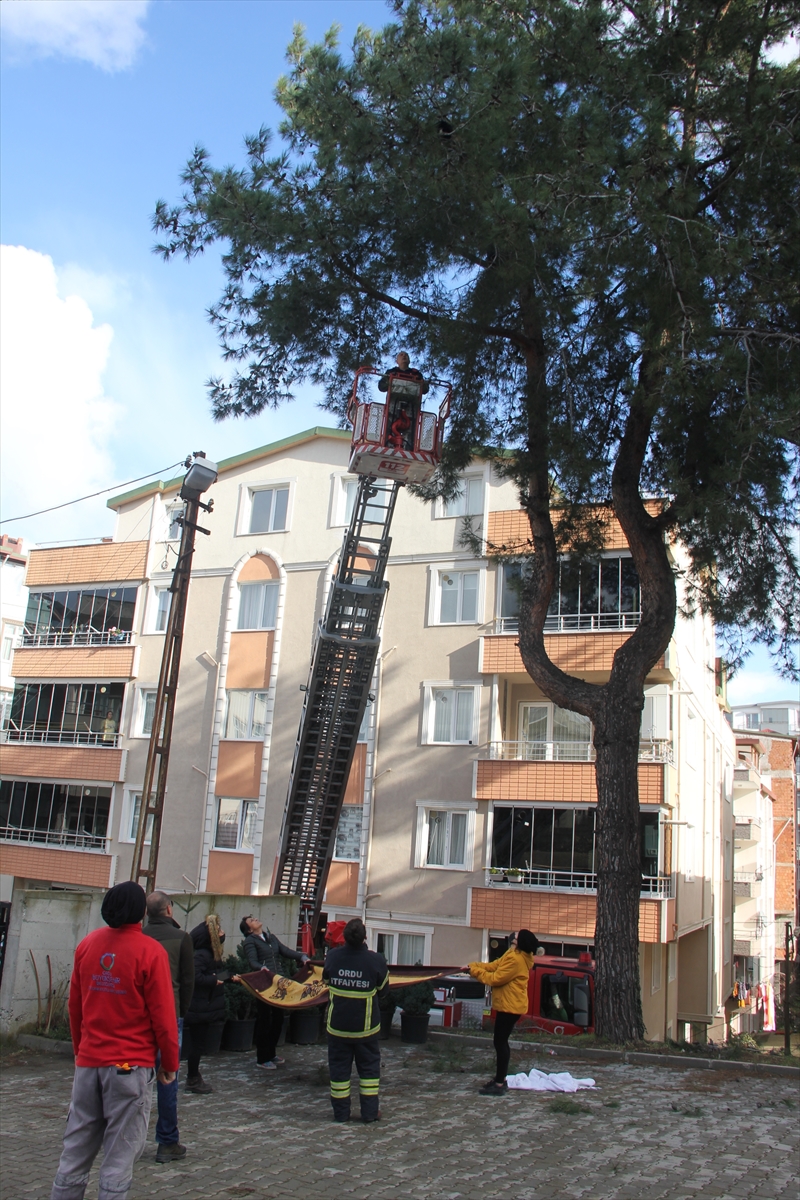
x=121 y=1003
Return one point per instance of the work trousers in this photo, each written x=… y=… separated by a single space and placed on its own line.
x=269 y=1023
x=504 y=1022
x=367 y=1054
x=167 y=1098
x=110 y=1111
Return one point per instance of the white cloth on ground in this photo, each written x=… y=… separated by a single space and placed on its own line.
x=540 y=1081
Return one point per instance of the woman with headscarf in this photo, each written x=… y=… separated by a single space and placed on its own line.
x=508 y=978
x=208 y=1000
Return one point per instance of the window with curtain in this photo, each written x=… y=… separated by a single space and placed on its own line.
x=373 y=512
x=458 y=597
x=246 y=717
x=134 y=810
x=452 y=712
x=549 y=732
x=163 y=601
x=348 y=833
x=268 y=509
x=409 y=947
x=236 y=824
x=446 y=838
x=258 y=605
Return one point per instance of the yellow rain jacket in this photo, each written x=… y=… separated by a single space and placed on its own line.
x=508 y=979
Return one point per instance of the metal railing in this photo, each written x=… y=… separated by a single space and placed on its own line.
x=80 y=637
x=748 y=876
x=575 y=623
x=655 y=750
x=62 y=737
x=72 y=839
x=653 y=886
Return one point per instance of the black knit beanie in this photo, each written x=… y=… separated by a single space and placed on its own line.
x=123 y=905
x=527 y=941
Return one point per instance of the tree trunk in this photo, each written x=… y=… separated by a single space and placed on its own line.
x=618 y=1005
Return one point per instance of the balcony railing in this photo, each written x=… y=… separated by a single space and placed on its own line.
x=655 y=750
x=72 y=839
x=653 y=886
x=61 y=737
x=79 y=637
x=575 y=623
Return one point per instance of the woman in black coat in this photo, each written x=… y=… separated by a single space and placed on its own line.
x=208 y=999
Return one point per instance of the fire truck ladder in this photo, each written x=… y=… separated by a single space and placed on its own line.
x=336 y=696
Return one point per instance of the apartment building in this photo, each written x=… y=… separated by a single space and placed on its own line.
x=13 y=601
x=471 y=805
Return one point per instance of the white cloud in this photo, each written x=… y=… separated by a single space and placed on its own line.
x=106 y=33
x=56 y=419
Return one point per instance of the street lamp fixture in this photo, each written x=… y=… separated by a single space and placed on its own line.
x=200 y=475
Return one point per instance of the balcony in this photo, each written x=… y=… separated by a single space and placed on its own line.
x=657 y=887
x=578 y=652
x=71 y=839
x=658 y=750
x=555 y=782
x=84 y=637
x=62 y=737
x=575 y=623
x=747 y=829
x=747 y=884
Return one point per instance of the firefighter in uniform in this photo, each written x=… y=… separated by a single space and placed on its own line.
x=355 y=977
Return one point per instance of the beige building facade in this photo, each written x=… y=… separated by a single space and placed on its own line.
x=470 y=808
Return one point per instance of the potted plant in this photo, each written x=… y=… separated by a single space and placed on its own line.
x=416 y=1002
x=387 y=1003
x=240 y=1005
x=514 y=875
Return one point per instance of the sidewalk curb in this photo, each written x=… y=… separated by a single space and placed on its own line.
x=33 y=1041
x=638 y=1058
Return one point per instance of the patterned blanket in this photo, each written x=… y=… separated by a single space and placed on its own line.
x=306 y=989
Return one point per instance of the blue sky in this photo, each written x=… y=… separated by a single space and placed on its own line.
x=106 y=347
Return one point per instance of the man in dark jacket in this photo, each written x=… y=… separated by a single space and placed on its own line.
x=355 y=977
x=180 y=951
x=262 y=949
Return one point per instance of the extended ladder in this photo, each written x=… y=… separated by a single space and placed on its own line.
x=338 y=689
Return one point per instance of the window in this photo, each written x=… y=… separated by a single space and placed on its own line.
x=468 y=501
x=246 y=716
x=148 y=708
x=589 y=595
x=268 y=509
x=547 y=732
x=258 y=605
x=401 y=949
x=175 y=519
x=134 y=808
x=236 y=824
x=555 y=847
x=12 y=636
x=566 y=998
x=746 y=720
x=457 y=597
x=81 y=618
x=348 y=833
x=445 y=836
x=163 y=601
x=451 y=715
x=75 y=713
x=447 y=839
x=54 y=814
x=374 y=512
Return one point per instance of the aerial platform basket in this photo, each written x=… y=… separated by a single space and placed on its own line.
x=394 y=435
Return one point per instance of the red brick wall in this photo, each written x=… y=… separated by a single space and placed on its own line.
x=556 y=782
x=74 y=662
x=56 y=866
x=553 y=914
x=88 y=763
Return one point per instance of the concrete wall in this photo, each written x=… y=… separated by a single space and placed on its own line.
x=52 y=923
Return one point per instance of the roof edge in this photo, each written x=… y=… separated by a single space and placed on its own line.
x=158 y=486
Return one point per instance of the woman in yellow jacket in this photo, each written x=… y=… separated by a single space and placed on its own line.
x=508 y=978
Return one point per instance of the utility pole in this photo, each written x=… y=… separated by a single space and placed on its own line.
x=200 y=475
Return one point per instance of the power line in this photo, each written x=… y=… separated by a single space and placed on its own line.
x=114 y=487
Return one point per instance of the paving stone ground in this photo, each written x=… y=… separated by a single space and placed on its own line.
x=646 y=1133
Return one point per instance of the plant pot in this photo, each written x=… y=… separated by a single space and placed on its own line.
x=414 y=1027
x=238 y=1035
x=386 y=1025
x=304 y=1026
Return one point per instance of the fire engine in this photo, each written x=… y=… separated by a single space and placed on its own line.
x=560 y=996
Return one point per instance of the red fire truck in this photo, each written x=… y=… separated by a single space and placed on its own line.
x=560 y=996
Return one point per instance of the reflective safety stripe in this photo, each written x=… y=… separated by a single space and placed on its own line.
x=368 y=1087
x=340 y=1089
x=350 y=995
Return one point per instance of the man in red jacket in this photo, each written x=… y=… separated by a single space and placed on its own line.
x=121 y=1013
